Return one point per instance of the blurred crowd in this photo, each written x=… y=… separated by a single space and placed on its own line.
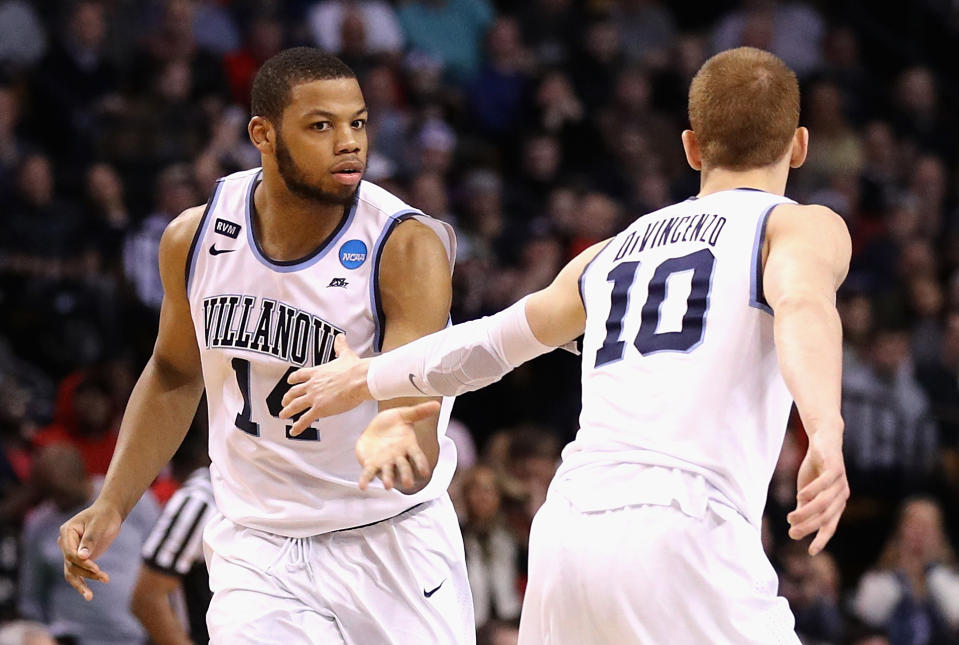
x=536 y=128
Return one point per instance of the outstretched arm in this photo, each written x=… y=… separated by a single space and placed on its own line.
x=157 y=416
x=458 y=359
x=807 y=260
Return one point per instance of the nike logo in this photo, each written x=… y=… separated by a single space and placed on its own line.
x=427 y=594
x=216 y=251
x=420 y=390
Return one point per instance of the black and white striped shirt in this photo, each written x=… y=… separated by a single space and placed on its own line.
x=175 y=544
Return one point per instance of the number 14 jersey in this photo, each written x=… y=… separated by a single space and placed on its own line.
x=679 y=363
x=257 y=320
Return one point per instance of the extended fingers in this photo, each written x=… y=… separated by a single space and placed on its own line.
x=301 y=375
x=826 y=532
x=294 y=407
x=419 y=461
x=304 y=422
x=293 y=393
x=817 y=514
x=818 y=485
x=76 y=581
x=369 y=473
x=412 y=414
x=404 y=471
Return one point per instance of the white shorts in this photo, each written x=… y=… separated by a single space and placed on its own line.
x=650 y=574
x=402 y=580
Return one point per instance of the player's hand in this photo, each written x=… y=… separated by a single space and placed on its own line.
x=822 y=491
x=83 y=539
x=327 y=389
x=388 y=448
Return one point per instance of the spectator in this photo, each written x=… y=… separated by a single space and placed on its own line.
x=549 y=27
x=597 y=62
x=838 y=149
x=497 y=92
x=891 y=442
x=75 y=86
x=811 y=585
x=913 y=591
x=491 y=552
x=85 y=418
x=918 y=111
x=794 y=31
x=22 y=38
x=44 y=234
x=389 y=118
x=264 y=38
x=107 y=214
x=213 y=27
x=378 y=21
x=12 y=144
x=646 y=29
x=449 y=30
x=175 y=192
x=45 y=595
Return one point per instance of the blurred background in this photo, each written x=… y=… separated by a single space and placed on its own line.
x=536 y=128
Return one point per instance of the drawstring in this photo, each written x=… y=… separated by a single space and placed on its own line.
x=299 y=550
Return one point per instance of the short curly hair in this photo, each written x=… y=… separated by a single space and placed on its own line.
x=278 y=75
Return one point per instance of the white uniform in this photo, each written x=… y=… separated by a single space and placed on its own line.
x=257 y=320
x=655 y=511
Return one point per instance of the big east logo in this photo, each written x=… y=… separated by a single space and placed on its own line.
x=353 y=254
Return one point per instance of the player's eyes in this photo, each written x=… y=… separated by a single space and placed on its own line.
x=321 y=125
x=359 y=124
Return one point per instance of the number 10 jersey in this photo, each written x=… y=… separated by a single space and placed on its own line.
x=679 y=363
x=257 y=320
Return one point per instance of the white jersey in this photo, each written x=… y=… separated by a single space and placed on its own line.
x=679 y=363
x=257 y=320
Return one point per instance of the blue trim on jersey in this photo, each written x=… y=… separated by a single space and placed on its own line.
x=379 y=317
x=317 y=254
x=200 y=234
x=756 y=297
x=582 y=276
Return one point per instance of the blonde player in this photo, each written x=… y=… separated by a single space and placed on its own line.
x=703 y=322
x=257 y=284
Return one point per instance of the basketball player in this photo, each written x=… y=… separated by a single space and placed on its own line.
x=703 y=321
x=257 y=283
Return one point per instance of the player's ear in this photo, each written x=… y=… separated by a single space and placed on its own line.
x=261 y=133
x=691 y=146
x=800 y=146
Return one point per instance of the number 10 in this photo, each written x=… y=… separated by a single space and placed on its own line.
x=648 y=340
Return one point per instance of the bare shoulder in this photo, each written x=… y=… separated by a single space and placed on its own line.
x=814 y=218
x=176 y=241
x=807 y=238
x=411 y=238
x=181 y=230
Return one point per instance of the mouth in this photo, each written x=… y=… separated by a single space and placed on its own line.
x=348 y=173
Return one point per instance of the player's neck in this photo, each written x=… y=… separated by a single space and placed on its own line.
x=288 y=227
x=771 y=179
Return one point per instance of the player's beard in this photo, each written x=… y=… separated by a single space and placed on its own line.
x=297 y=183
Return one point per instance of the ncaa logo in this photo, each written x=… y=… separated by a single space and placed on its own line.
x=353 y=254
